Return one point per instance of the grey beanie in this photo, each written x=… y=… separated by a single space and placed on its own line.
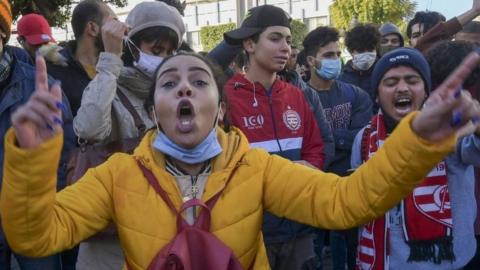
x=151 y=14
x=390 y=28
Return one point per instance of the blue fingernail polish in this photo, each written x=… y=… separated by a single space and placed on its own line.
x=456 y=119
x=57 y=82
x=61 y=106
x=49 y=127
x=477 y=50
x=458 y=92
x=57 y=121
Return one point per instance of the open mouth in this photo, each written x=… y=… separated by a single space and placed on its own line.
x=403 y=105
x=185 y=115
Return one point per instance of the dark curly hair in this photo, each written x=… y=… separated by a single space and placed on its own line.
x=428 y=18
x=363 y=37
x=445 y=56
x=318 y=38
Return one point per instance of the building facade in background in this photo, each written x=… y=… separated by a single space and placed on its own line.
x=199 y=13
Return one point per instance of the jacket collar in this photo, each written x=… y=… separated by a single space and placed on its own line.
x=239 y=81
x=69 y=53
x=234 y=145
x=13 y=91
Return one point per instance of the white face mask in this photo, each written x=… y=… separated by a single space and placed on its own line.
x=146 y=63
x=364 y=61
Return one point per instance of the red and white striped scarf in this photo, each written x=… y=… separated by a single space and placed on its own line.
x=426 y=215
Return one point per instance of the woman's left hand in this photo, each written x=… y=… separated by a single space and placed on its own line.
x=449 y=108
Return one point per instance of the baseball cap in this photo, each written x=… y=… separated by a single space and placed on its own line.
x=35 y=29
x=150 y=14
x=257 y=19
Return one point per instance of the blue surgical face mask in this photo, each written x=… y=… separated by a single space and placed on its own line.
x=329 y=69
x=207 y=149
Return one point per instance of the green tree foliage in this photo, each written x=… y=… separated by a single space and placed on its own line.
x=57 y=12
x=210 y=36
x=299 y=31
x=343 y=12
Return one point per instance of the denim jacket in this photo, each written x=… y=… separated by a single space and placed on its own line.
x=17 y=92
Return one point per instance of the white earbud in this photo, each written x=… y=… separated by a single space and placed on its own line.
x=255 y=102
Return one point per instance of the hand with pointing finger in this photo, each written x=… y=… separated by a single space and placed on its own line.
x=41 y=117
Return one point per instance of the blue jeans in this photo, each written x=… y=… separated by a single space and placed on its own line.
x=63 y=261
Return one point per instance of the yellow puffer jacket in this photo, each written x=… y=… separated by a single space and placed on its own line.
x=38 y=221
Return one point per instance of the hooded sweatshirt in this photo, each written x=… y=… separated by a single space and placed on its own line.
x=280 y=121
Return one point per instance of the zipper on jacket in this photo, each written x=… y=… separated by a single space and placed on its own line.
x=269 y=94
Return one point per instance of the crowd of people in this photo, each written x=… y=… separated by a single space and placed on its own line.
x=255 y=155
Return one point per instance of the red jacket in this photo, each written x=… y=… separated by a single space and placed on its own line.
x=279 y=121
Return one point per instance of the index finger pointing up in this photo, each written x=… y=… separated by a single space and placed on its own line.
x=459 y=75
x=41 y=77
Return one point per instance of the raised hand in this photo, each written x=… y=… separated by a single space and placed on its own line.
x=113 y=32
x=449 y=108
x=40 y=118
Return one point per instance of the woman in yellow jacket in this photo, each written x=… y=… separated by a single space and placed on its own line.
x=184 y=147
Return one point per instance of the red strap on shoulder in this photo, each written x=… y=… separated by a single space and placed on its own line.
x=152 y=180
